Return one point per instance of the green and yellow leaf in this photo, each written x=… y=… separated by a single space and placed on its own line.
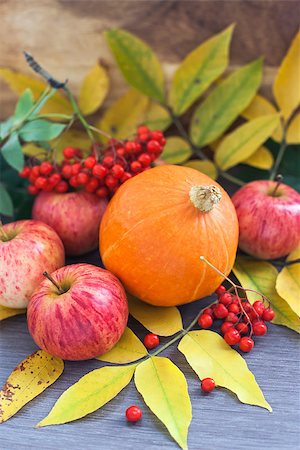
x=166 y=395
x=293 y=131
x=198 y=70
x=29 y=379
x=286 y=88
x=163 y=321
x=93 y=90
x=261 y=159
x=261 y=276
x=207 y=167
x=137 y=62
x=210 y=356
x=89 y=393
x=5 y=312
x=244 y=141
x=223 y=105
x=176 y=151
x=156 y=117
x=128 y=349
x=288 y=282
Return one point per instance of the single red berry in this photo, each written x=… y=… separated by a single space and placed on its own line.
x=145 y=159
x=90 y=162
x=252 y=316
x=235 y=300
x=225 y=299
x=92 y=185
x=126 y=177
x=129 y=147
x=82 y=178
x=99 y=171
x=242 y=328
x=234 y=308
x=157 y=135
x=208 y=311
x=231 y=317
x=144 y=137
x=121 y=151
x=73 y=181
x=32 y=190
x=259 y=307
x=205 y=321
x=232 y=336
x=268 y=314
x=208 y=384
x=117 y=171
x=246 y=344
x=154 y=147
x=76 y=168
x=54 y=179
x=136 y=166
x=40 y=182
x=142 y=129
x=111 y=181
x=46 y=168
x=259 y=328
x=247 y=307
x=61 y=187
x=35 y=171
x=220 y=311
x=69 y=152
x=108 y=161
x=49 y=186
x=221 y=290
x=67 y=171
x=133 y=414
x=25 y=172
x=138 y=148
x=226 y=326
x=151 y=341
x=102 y=192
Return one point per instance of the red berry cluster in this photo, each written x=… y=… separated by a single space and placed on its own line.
x=119 y=161
x=241 y=320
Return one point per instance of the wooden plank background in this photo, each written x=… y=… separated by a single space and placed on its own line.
x=66 y=35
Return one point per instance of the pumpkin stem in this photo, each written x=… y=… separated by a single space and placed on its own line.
x=205 y=197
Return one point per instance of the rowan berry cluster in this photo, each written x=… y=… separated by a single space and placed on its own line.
x=241 y=320
x=119 y=161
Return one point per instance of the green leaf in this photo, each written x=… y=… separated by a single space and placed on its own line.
x=245 y=140
x=223 y=105
x=12 y=152
x=41 y=130
x=6 y=205
x=137 y=62
x=198 y=70
x=207 y=167
x=6 y=126
x=210 y=356
x=89 y=393
x=261 y=276
x=166 y=395
x=176 y=151
x=128 y=349
x=157 y=117
x=93 y=89
x=24 y=105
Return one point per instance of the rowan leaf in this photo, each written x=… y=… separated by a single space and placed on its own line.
x=223 y=105
x=288 y=282
x=207 y=167
x=137 y=62
x=167 y=395
x=198 y=70
x=210 y=356
x=6 y=204
x=41 y=130
x=124 y=115
x=29 y=379
x=244 y=141
x=91 y=392
x=176 y=151
x=93 y=90
x=261 y=276
x=261 y=159
x=128 y=349
x=12 y=152
x=286 y=85
x=24 y=105
x=156 y=117
x=293 y=131
x=163 y=321
x=5 y=312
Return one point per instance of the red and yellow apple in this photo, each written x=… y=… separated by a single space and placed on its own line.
x=27 y=248
x=80 y=312
x=269 y=218
x=75 y=216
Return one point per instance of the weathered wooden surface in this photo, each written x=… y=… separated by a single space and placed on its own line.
x=66 y=35
x=220 y=421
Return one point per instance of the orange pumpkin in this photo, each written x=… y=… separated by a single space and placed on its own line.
x=157 y=226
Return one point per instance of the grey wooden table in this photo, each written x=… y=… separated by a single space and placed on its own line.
x=220 y=421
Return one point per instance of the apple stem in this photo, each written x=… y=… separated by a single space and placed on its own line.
x=3 y=232
x=59 y=288
x=279 y=179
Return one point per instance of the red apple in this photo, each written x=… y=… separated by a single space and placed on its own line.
x=82 y=315
x=269 y=219
x=27 y=248
x=75 y=216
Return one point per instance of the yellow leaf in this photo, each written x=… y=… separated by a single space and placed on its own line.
x=128 y=349
x=93 y=90
x=293 y=131
x=156 y=117
x=29 y=379
x=261 y=276
x=18 y=82
x=210 y=356
x=34 y=150
x=260 y=106
x=286 y=86
x=163 y=321
x=176 y=151
x=244 y=141
x=223 y=105
x=206 y=167
x=288 y=282
x=89 y=393
x=124 y=115
x=261 y=159
x=10 y=312
x=198 y=70
x=166 y=395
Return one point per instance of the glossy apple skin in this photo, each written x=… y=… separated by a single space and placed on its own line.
x=75 y=216
x=84 y=322
x=36 y=247
x=269 y=226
